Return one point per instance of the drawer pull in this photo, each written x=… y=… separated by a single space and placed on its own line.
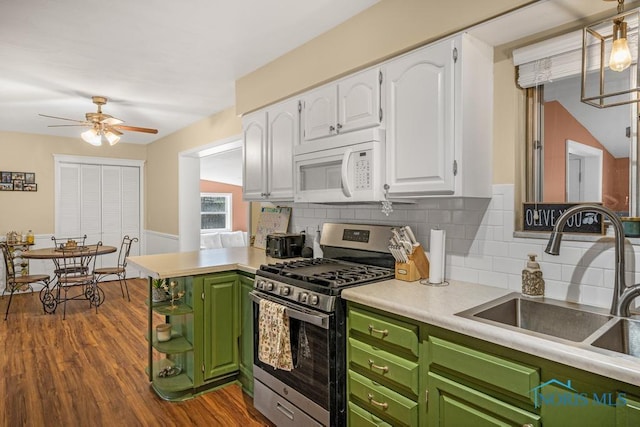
x=372 y=365
x=383 y=332
x=384 y=405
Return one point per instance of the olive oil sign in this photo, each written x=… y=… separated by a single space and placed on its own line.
x=543 y=217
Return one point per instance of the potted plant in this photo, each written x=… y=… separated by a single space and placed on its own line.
x=159 y=290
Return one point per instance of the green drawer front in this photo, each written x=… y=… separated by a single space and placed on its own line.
x=379 y=399
x=385 y=329
x=358 y=417
x=495 y=371
x=452 y=404
x=394 y=368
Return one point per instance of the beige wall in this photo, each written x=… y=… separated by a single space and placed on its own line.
x=384 y=30
x=22 y=152
x=162 y=166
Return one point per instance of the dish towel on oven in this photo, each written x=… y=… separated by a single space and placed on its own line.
x=274 y=346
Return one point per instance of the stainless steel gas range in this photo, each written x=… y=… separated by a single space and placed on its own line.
x=314 y=391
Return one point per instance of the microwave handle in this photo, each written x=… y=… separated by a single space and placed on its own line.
x=345 y=175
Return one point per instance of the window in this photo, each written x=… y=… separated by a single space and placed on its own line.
x=215 y=211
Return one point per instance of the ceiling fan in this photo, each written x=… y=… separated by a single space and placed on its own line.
x=101 y=124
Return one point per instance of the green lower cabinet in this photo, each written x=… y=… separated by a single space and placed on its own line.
x=246 y=334
x=221 y=325
x=627 y=411
x=358 y=417
x=451 y=404
x=382 y=401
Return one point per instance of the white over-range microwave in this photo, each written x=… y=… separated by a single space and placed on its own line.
x=341 y=168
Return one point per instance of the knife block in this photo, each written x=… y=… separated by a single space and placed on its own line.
x=416 y=268
x=407 y=271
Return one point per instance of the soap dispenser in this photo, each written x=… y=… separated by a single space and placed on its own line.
x=317 y=250
x=532 y=281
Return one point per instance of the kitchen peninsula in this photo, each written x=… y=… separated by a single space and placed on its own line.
x=211 y=324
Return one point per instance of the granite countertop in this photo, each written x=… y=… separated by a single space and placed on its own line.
x=179 y=264
x=437 y=306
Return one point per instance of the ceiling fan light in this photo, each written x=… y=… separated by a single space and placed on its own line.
x=92 y=137
x=112 y=138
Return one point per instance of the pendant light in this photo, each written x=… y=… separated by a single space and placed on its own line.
x=609 y=48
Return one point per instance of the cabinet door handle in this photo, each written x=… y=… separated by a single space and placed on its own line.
x=372 y=365
x=384 y=405
x=339 y=126
x=383 y=332
x=332 y=128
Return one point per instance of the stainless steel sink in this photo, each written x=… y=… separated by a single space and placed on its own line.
x=552 y=318
x=622 y=337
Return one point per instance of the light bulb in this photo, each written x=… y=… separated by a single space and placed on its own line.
x=620 y=55
x=620 y=58
x=92 y=137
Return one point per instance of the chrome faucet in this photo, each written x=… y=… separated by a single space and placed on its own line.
x=622 y=295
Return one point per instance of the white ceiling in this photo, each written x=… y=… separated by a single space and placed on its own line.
x=162 y=64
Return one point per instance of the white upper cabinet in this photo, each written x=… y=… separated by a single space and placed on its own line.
x=349 y=104
x=439 y=124
x=269 y=137
x=254 y=135
x=283 y=134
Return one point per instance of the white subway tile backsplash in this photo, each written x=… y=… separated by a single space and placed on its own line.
x=363 y=214
x=491 y=278
x=481 y=248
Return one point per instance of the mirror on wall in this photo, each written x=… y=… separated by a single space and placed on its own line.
x=581 y=153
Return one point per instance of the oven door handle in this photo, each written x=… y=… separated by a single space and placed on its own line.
x=307 y=316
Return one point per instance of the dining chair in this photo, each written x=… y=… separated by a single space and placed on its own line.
x=15 y=282
x=70 y=243
x=76 y=270
x=120 y=271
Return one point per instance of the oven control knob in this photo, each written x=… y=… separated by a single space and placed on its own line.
x=304 y=297
x=260 y=284
x=285 y=290
x=313 y=300
x=269 y=286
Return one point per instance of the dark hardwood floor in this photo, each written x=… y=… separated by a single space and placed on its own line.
x=90 y=369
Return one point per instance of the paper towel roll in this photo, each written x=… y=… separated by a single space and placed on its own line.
x=436 y=250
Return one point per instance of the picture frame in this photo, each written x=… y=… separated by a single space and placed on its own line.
x=5 y=177
x=6 y=186
x=30 y=186
x=18 y=184
x=29 y=178
x=17 y=176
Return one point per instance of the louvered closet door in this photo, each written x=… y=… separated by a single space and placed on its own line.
x=90 y=206
x=101 y=201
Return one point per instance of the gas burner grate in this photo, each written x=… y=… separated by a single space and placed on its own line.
x=328 y=272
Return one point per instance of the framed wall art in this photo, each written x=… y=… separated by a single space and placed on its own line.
x=18 y=181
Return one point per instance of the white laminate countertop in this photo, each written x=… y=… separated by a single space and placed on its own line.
x=437 y=306
x=179 y=264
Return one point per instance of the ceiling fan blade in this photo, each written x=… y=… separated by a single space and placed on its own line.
x=113 y=130
x=135 y=129
x=62 y=118
x=111 y=121
x=61 y=126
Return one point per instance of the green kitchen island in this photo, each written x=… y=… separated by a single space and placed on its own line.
x=210 y=318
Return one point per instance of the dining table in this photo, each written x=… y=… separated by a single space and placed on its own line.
x=48 y=297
